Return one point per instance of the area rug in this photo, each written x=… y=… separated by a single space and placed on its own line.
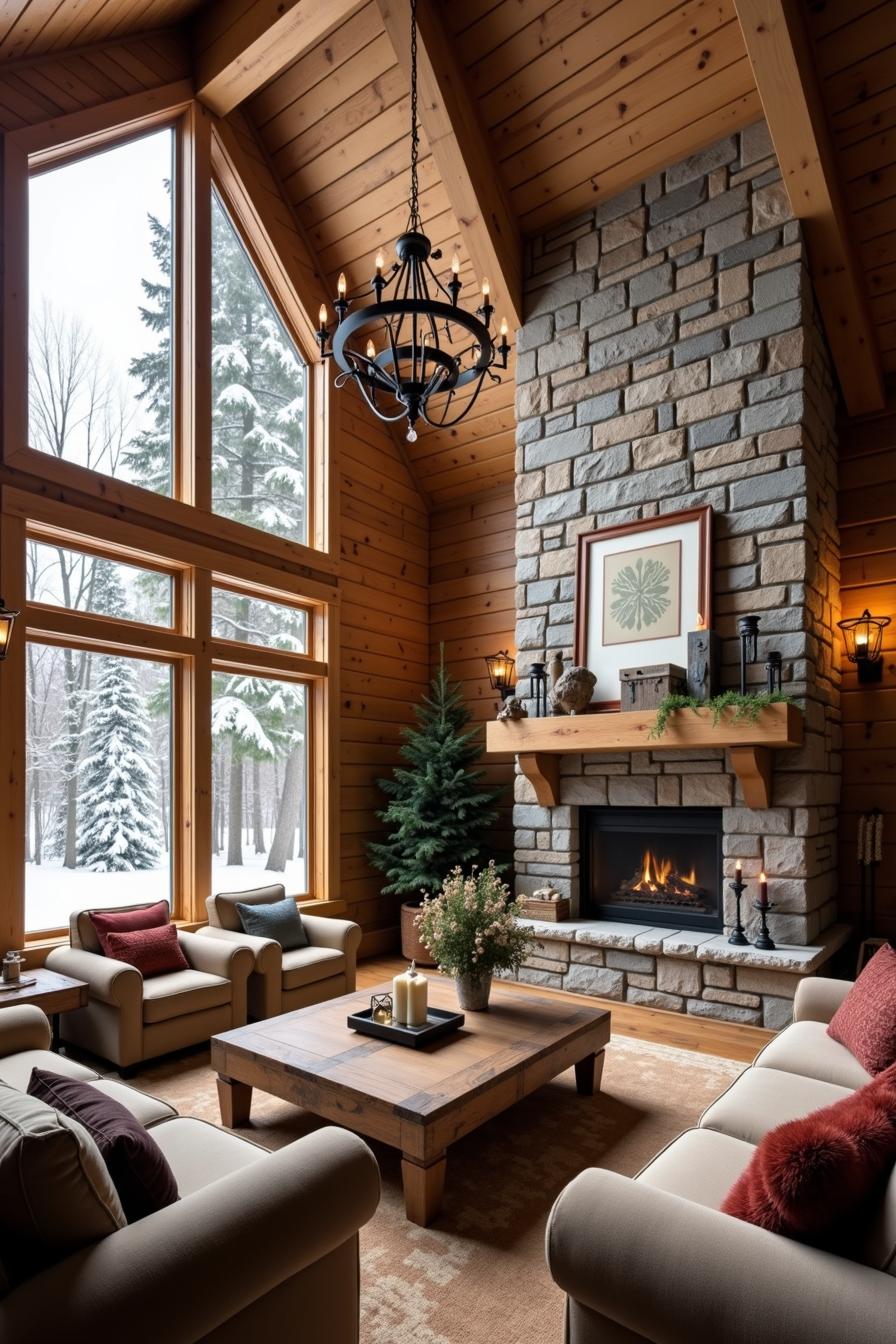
x=478 y=1275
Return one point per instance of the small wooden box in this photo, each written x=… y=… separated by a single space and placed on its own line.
x=645 y=687
x=553 y=912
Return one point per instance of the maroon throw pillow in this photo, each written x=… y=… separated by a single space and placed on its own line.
x=126 y=921
x=865 y=1022
x=808 y=1178
x=137 y=1165
x=152 y=951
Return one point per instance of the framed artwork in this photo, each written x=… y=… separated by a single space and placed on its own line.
x=640 y=588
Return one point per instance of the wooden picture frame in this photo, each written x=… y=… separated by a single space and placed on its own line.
x=693 y=594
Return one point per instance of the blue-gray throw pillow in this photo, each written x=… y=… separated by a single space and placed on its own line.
x=280 y=921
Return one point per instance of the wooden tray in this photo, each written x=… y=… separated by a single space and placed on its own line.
x=439 y=1022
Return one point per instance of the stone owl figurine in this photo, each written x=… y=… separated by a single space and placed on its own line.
x=574 y=689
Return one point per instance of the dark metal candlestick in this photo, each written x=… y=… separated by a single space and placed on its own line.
x=764 y=941
x=538 y=688
x=738 y=937
x=773 y=669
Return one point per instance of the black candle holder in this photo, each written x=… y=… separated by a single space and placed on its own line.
x=738 y=937
x=538 y=688
x=773 y=671
x=764 y=941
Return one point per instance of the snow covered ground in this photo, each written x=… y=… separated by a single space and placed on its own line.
x=53 y=892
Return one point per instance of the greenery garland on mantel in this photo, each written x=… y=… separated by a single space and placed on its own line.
x=747 y=708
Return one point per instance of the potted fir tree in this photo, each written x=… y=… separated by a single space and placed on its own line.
x=438 y=810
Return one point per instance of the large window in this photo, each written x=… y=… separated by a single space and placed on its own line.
x=258 y=397
x=98 y=782
x=259 y=774
x=100 y=343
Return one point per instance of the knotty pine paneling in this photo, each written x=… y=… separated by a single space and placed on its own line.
x=472 y=610
x=868 y=579
x=32 y=91
x=384 y=635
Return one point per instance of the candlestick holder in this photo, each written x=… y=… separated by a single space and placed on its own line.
x=764 y=941
x=738 y=937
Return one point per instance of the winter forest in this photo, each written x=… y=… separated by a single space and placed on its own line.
x=99 y=725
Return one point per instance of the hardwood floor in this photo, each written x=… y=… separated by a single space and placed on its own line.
x=727 y=1039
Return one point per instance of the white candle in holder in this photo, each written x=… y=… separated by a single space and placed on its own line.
x=409 y=997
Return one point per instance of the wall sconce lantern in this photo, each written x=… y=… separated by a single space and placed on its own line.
x=7 y=621
x=500 y=673
x=863 y=636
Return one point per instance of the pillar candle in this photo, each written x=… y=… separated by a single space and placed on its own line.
x=409 y=997
x=763 y=890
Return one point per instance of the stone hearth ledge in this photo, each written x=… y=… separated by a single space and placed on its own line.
x=692 y=945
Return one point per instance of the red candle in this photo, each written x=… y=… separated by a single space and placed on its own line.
x=763 y=890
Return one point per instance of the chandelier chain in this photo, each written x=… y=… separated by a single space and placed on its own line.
x=413 y=201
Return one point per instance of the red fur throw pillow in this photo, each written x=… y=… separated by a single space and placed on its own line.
x=152 y=951
x=126 y=921
x=865 y=1022
x=808 y=1177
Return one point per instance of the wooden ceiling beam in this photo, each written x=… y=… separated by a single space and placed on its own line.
x=462 y=152
x=240 y=46
x=779 y=53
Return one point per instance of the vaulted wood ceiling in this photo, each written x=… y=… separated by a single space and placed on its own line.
x=536 y=109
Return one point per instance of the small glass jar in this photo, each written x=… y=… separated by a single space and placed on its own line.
x=381 y=1008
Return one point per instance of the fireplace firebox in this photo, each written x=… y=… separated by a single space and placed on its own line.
x=653 y=865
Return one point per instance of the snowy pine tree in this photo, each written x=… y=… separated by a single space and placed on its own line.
x=148 y=456
x=117 y=810
x=258 y=396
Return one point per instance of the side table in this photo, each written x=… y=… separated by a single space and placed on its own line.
x=53 y=993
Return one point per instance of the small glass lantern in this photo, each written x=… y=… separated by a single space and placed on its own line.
x=863 y=636
x=500 y=672
x=7 y=621
x=381 y=1008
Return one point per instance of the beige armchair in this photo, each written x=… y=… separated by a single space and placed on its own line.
x=129 y=1019
x=259 y=1245
x=282 y=981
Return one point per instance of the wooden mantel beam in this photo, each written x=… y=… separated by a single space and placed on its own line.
x=240 y=46
x=781 y=57
x=462 y=153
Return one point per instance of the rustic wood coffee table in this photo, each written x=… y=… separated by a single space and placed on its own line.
x=419 y=1101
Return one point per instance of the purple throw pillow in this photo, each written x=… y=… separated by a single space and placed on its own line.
x=139 y=1169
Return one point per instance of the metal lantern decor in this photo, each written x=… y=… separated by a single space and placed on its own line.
x=863 y=636
x=538 y=688
x=748 y=629
x=501 y=672
x=381 y=1007
x=412 y=352
x=774 y=672
x=7 y=621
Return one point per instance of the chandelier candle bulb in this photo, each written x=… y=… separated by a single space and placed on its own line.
x=410 y=992
x=371 y=350
x=455 y=264
x=380 y=263
x=341 y=285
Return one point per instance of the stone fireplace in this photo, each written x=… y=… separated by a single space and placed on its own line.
x=672 y=357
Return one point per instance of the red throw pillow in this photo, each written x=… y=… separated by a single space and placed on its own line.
x=138 y=1167
x=126 y=921
x=809 y=1176
x=865 y=1022
x=152 y=951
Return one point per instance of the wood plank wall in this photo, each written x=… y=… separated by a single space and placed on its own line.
x=384 y=633
x=472 y=609
x=868 y=579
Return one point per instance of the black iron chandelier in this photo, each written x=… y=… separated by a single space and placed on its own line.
x=421 y=349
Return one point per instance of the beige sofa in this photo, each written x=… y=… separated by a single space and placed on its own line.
x=654 y=1259
x=282 y=981
x=259 y=1246
x=129 y=1019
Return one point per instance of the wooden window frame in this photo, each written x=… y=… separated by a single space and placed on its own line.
x=178 y=534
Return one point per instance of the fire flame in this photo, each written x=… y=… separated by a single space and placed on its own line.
x=655 y=873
